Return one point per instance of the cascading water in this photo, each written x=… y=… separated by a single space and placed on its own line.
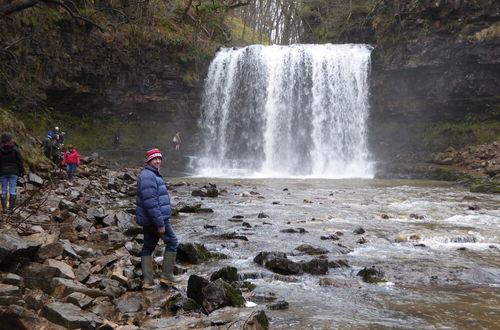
x=286 y=111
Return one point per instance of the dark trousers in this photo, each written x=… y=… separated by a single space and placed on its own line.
x=151 y=237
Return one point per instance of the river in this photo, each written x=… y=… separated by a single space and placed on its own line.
x=446 y=277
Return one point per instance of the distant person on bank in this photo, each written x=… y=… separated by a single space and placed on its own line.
x=71 y=160
x=11 y=167
x=176 y=140
x=153 y=211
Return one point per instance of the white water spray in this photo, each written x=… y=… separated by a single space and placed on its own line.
x=286 y=111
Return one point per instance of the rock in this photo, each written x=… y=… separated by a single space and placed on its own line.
x=79 y=299
x=315 y=266
x=284 y=266
x=17 y=317
x=338 y=264
x=415 y=237
x=82 y=272
x=278 y=305
x=70 y=316
x=340 y=282
x=228 y=274
x=130 y=303
x=16 y=248
x=38 y=276
x=35 y=299
x=63 y=287
x=186 y=304
x=195 y=285
x=371 y=275
x=263 y=257
x=262 y=215
x=65 y=269
x=35 y=179
x=359 y=231
x=294 y=231
x=195 y=253
x=311 y=250
x=51 y=250
x=9 y=290
x=12 y=279
x=219 y=294
x=97 y=214
x=233 y=236
x=332 y=237
x=401 y=239
x=104 y=308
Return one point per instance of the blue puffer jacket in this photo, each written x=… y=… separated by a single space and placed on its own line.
x=152 y=201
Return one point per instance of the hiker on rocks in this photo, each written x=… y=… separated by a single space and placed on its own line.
x=71 y=160
x=58 y=135
x=47 y=146
x=153 y=211
x=11 y=167
x=177 y=140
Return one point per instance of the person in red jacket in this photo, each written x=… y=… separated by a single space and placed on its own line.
x=71 y=160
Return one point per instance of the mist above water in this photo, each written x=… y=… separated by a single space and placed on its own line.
x=286 y=111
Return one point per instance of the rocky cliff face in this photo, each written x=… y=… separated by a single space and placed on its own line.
x=435 y=71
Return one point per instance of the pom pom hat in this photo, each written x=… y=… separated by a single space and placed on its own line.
x=153 y=153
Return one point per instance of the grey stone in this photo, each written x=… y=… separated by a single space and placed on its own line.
x=130 y=303
x=14 y=247
x=63 y=287
x=9 y=290
x=12 y=279
x=51 y=250
x=70 y=316
x=79 y=299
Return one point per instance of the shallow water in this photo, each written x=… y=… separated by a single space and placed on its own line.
x=446 y=277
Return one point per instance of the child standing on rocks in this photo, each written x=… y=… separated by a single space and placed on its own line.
x=11 y=167
x=71 y=160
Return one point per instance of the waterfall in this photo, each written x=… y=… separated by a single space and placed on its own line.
x=286 y=111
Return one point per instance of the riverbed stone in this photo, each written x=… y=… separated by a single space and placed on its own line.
x=284 y=266
x=51 y=250
x=63 y=287
x=315 y=266
x=12 y=279
x=38 y=276
x=130 y=303
x=9 y=290
x=228 y=274
x=311 y=250
x=17 y=317
x=65 y=269
x=195 y=253
x=70 y=316
x=195 y=286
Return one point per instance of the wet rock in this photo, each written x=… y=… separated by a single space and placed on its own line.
x=473 y=207
x=490 y=188
x=79 y=299
x=294 y=231
x=51 y=250
x=219 y=294
x=330 y=237
x=240 y=318
x=340 y=282
x=35 y=299
x=315 y=266
x=401 y=239
x=359 y=231
x=228 y=274
x=35 y=179
x=371 y=275
x=362 y=240
x=385 y=216
x=415 y=237
x=284 y=266
x=338 y=264
x=263 y=257
x=262 y=215
x=70 y=316
x=233 y=236
x=195 y=285
x=182 y=303
x=196 y=253
x=416 y=216
x=278 y=305
x=104 y=308
x=246 y=224
x=187 y=208
x=311 y=250
x=14 y=248
x=130 y=303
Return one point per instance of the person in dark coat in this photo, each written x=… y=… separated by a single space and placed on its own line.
x=153 y=211
x=11 y=167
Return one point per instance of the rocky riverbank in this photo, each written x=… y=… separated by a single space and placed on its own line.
x=70 y=259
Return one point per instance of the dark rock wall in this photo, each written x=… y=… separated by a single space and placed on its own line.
x=435 y=70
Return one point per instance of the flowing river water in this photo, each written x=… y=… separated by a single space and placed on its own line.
x=446 y=277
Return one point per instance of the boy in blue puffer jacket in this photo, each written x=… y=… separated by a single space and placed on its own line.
x=152 y=212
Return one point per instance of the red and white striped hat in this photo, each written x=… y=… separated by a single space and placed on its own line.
x=153 y=153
